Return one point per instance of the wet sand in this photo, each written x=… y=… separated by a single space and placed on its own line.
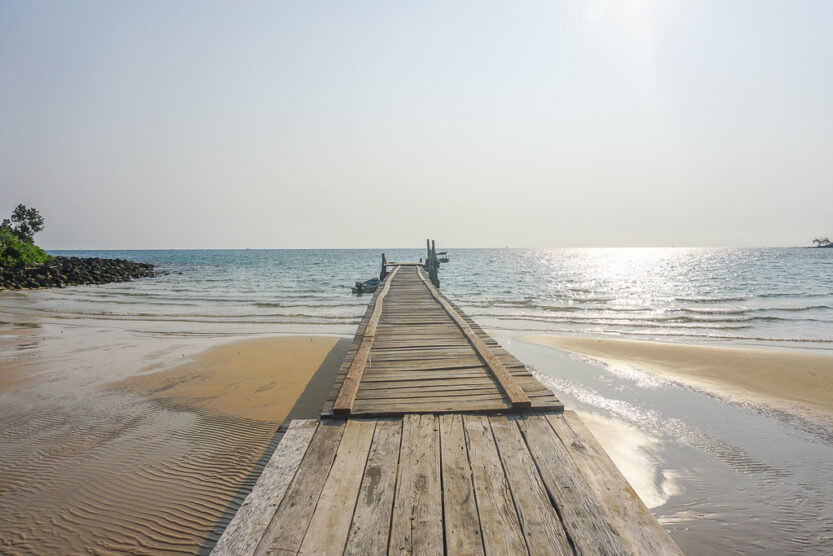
x=254 y=379
x=722 y=477
x=156 y=462
x=794 y=382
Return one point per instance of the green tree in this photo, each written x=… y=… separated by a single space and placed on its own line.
x=25 y=223
x=16 y=252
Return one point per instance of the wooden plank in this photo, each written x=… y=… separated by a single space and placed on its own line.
x=416 y=523
x=629 y=516
x=462 y=524
x=428 y=365
x=517 y=396
x=252 y=518
x=422 y=386
x=377 y=407
x=581 y=513
x=350 y=384
x=396 y=395
x=330 y=524
x=539 y=520
x=501 y=530
x=370 y=530
x=289 y=524
x=416 y=376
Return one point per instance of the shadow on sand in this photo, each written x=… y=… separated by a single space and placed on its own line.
x=308 y=406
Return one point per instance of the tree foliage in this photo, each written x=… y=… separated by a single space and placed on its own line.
x=17 y=247
x=25 y=223
x=16 y=252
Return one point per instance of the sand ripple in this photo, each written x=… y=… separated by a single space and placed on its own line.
x=123 y=474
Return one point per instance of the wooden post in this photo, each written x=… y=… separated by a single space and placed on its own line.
x=384 y=268
x=433 y=265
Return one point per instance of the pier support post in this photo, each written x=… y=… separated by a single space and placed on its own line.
x=433 y=265
x=384 y=271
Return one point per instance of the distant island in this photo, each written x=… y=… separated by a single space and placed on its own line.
x=24 y=265
x=822 y=242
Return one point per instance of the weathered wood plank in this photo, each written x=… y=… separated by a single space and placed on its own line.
x=629 y=516
x=416 y=523
x=370 y=530
x=243 y=534
x=330 y=524
x=501 y=530
x=289 y=524
x=462 y=524
x=539 y=520
x=581 y=513
x=416 y=339
x=350 y=384
x=395 y=395
x=515 y=393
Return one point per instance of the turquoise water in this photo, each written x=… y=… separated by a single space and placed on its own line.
x=761 y=296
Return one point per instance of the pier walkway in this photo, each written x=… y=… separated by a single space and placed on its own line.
x=437 y=441
x=415 y=352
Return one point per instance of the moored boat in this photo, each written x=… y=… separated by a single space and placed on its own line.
x=368 y=286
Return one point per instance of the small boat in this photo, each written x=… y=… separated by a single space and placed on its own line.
x=442 y=256
x=366 y=287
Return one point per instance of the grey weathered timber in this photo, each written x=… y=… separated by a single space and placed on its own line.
x=582 y=514
x=464 y=484
x=462 y=524
x=289 y=524
x=538 y=517
x=350 y=386
x=517 y=397
x=501 y=529
x=330 y=522
x=416 y=524
x=411 y=350
x=249 y=523
x=370 y=529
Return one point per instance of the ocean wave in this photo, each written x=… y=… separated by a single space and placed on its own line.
x=628 y=324
x=795 y=309
x=710 y=299
x=795 y=294
x=268 y=305
x=738 y=311
x=601 y=319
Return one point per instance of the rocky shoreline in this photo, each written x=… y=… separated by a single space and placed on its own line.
x=73 y=271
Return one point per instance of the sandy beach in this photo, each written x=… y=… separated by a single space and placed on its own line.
x=795 y=382
x=257 y=379
x=154 y=462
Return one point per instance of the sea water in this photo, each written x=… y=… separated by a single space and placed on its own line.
x=778 y=297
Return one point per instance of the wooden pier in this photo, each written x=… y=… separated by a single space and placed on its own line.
x=437 y=441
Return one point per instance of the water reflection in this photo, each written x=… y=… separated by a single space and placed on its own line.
x=733 y=479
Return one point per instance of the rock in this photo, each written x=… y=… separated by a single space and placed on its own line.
x=70 y=271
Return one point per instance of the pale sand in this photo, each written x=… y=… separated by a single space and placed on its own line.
x=254 y=379
x=155 y=463
x=795 y=382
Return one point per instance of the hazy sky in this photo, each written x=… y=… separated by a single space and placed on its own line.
x=366 y=124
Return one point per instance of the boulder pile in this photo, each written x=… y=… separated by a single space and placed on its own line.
x=72 y=271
